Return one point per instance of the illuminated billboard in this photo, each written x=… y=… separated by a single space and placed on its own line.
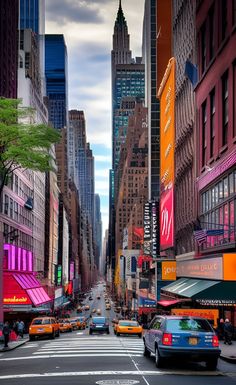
x=166 y=95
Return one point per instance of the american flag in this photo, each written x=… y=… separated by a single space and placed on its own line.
x=200 y=236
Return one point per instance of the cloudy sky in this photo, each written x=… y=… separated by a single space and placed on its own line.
x=88 y=27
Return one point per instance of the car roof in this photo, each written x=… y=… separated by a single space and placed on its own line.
x=98 y=317
x=170 y=317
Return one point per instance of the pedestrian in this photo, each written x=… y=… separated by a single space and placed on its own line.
x=220 y=329
x=228 y=332
x=6 y=332
x=21 y=327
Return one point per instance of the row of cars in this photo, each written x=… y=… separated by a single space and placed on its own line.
x=50 y=326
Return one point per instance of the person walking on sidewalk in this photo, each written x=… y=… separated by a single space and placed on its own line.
x=220 y=329
x=21 y=327
x=228 y=332
x=6 y=332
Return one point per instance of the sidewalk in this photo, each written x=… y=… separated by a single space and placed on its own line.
x=14 y=344
x=228 y=352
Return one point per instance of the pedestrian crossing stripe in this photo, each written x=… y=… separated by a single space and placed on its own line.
x=88 y=351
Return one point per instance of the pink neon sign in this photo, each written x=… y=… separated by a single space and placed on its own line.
x=17 y=258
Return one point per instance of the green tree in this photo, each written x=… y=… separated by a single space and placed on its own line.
x=23 y=144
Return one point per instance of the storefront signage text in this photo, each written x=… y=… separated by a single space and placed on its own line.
x=206 y=268
x=15 y=299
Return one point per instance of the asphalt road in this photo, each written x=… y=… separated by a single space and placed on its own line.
x=80 y=359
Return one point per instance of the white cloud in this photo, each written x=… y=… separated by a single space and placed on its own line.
x=104 y=173
x=103 y=158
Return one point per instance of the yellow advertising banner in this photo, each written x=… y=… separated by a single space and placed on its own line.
x=229 y=267
x=168 y=270
x=210 y=314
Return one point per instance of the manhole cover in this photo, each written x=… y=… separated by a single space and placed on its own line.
x=117 y=382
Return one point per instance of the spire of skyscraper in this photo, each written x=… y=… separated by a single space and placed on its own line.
x=120 y=19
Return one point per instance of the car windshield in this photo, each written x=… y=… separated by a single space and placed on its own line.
x=128 y=323
x=186 y=324
x=41 y=322
x=99 y=320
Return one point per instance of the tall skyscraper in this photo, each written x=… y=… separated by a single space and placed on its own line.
x=8 y=48
x=56 y=79
x=81 y=162
x=127 y=80
x=97 y=230
x=149 y=59
x=32 y=15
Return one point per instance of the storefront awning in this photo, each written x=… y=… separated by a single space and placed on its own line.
x=33 y=288
x=202 y=289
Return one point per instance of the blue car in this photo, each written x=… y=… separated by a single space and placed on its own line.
x=191 y=338
x=99 y=325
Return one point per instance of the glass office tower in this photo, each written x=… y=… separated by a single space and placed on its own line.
x=56 y=79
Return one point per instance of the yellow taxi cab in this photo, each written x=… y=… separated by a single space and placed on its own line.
x=74 y=323
x=81 y=322
x=44 y=326
x=65 y=325
x=128 y=327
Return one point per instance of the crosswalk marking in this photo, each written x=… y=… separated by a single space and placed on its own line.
x=93 y=347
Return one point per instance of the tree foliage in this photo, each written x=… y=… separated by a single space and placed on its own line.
x=23 y=144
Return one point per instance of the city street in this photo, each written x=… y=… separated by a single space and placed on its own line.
x=77 y=358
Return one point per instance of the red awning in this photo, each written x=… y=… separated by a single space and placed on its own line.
x=33 y=288
x=169 y=303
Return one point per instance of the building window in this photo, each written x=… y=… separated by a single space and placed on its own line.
x=223 y=18
x=225 y=112
x=6 y=204
x=204 y=136
x=234 y=99
x=212 y=33
x=212 y=123
x=203 y=48
x=234 y=12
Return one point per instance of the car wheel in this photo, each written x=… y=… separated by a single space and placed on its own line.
x=118 y=334
x=158 y=358
x=146 y=352
x=140 y=335
x=212 y=364
x=32 y=338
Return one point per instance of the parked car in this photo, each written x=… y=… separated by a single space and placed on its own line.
x=44 y=326
x=99 y=324
x=191 y=338
x=128 y=327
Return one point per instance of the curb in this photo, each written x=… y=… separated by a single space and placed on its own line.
x=229 y=359
x=14 y=347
